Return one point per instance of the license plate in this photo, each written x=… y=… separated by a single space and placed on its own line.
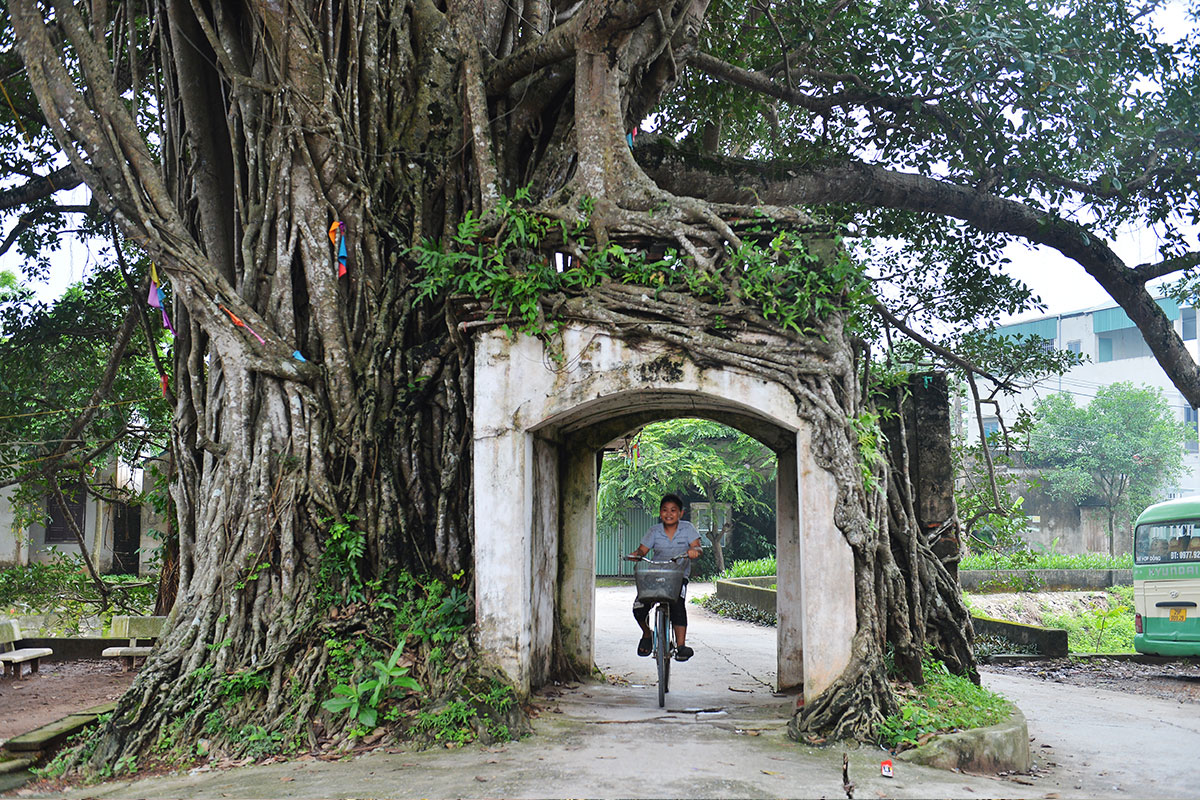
x=1178 y=614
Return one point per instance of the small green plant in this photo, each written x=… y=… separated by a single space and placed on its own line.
x=1106 y=620
x=946 y=702
x=455 y=721
x=363 y=700
x=340 y=570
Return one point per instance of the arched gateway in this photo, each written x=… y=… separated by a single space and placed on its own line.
x=541 y=417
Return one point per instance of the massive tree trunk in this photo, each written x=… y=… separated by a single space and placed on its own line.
x=310 y=405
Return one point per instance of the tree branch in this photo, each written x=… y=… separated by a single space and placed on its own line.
x=1150 y=271
x=743 y=181
x=957 y=360
x=40 y=187
x=27 y=220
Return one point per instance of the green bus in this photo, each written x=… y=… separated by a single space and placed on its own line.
x=1166 y=578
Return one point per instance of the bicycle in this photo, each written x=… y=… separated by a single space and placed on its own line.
x=660 y=582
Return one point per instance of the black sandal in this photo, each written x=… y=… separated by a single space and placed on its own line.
x=645 y=646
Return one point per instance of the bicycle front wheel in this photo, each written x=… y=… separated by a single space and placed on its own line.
x=662 y=652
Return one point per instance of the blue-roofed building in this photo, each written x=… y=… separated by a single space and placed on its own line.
x=1113 y=351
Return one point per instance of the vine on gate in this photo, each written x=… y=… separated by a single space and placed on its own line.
x=521 y=256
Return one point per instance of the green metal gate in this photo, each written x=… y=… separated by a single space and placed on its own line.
x=613 y=541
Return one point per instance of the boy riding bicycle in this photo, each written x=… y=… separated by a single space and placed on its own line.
x=670 y=538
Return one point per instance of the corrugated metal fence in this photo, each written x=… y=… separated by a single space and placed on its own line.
x=613 y=541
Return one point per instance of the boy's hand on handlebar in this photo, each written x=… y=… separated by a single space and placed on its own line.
x=632 y=557
x=693 y=552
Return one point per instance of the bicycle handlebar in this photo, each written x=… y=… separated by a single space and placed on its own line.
x=675 y=560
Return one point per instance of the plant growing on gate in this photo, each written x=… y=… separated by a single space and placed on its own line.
x=362 y=700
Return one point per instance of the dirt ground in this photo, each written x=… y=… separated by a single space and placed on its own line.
x=59 y=689
x=1176 y=680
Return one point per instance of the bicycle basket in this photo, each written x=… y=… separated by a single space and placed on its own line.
x=658 y=581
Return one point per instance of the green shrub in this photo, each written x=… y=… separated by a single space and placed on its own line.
x=758 y=568
x=946 y=702
x=63 y=588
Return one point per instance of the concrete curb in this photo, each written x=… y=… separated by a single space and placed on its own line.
x=755 y=592
x=984 y=751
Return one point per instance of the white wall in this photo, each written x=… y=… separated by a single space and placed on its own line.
x=12 y=548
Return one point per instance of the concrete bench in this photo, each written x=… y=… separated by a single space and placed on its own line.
x=12 y=656
x=134 y=629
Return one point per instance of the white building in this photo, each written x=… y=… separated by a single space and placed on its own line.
x=121 y=537
x=1113 y=351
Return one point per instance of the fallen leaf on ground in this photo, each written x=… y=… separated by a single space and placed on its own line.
x=286 y=779
x=481 y=779
x=768 y=772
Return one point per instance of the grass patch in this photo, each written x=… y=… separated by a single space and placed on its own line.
x=946 y=703
x=1027 y=559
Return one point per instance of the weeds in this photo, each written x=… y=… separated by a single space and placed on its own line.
x=946 y=702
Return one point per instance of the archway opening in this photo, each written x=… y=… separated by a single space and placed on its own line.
x=576 y=440
x=726 y=481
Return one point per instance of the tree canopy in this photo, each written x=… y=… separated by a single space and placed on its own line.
x=685 y=457
x=1123 y=449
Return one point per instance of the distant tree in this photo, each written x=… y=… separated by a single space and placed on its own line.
x=1122 y=449
x=80 y=388
x=688 y=457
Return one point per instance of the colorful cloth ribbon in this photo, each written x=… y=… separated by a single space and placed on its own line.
x=157 y=299
x=337 y=235
x=238 y=322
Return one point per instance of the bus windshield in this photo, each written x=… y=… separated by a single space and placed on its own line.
x=1165 y=542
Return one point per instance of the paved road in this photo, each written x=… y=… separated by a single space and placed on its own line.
x=721 y=735
x=1107 y=743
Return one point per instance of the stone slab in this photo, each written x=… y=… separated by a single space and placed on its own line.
x=47 y=736
x=14 y=764
x=25 y=654
x=1048 y=641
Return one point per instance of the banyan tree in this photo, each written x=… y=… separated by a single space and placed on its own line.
x=334 y=193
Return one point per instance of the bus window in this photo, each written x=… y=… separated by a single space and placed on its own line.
x=1166 y=542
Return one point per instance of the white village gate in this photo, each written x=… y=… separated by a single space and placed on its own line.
x=540 y=419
